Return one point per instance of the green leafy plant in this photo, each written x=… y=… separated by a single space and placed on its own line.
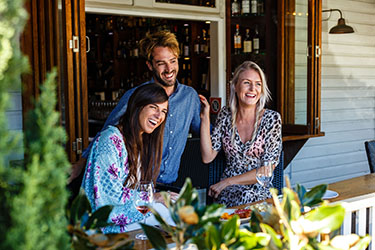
x=12 y=65
x=282 y=226
x=85 y=227
x=43 y=196
x=190 y=219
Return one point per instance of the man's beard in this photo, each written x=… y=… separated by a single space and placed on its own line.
x=161 y=81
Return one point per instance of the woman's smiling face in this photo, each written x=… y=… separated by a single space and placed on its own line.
x=249 y=88
x=152 y=115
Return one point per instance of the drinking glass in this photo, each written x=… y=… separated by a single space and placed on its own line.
x=143 y=198
x=264 y=174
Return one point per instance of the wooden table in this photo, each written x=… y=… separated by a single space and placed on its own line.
x=347 y=189
x=354 y=187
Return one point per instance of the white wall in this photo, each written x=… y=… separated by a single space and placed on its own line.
x=348 y=99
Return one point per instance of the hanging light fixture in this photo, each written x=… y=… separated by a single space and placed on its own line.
x=341 y=27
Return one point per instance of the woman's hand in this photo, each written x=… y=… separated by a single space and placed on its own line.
x=205 y=111
x=216 y=189
x=159 y=199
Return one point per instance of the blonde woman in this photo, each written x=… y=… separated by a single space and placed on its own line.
x=248 y=133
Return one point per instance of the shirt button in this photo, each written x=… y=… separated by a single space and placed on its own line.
x=170 y=148
x=161 y=176
x=165 y=162
x=170 y=115
x=171 y=131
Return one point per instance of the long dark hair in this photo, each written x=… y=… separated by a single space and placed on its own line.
x=147 y=147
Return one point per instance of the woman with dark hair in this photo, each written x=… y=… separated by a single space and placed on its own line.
x=248 y=132
x=123 y=155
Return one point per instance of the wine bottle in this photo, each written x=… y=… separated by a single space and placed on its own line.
x=136 y=49
x=187 y=42
x=197 y=45
x=237 y=40
x=203 y=42
x=256 y=41
x=246 y=7
x=235 y=8
x=260 y=7
x=247 y=43
x=119 y=49
x=207 y=43
x=254 y=7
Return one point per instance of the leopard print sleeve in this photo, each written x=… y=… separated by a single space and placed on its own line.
x=219 y=129
x=273 y=139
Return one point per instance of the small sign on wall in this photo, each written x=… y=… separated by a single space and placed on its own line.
x=215 y=105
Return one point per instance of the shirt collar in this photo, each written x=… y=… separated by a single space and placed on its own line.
x=178 y=86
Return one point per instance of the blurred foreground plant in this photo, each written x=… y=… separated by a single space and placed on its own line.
x=85 y=227
x=282 y=226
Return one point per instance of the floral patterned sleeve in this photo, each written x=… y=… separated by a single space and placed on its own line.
x=106 y=171
x=219 y=129
x=273 y=138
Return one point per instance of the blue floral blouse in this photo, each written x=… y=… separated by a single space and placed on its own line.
x=103 y=181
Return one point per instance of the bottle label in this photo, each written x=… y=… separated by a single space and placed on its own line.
x=235 y=9
x=245 y=6
x=237 y=42
x=247 y=46
x=254 y=6
x=186 y=50
x=135 y=52
x=256 y=43
x=196 y=48
x=203 y=48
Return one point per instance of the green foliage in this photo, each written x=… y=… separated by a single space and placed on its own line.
x=43 y=197
x=282 y=226
x=12 y=65
x=189 y=217
x=85 y=227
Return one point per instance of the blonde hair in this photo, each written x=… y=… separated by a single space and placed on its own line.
x=161 y=38
x=233 y=99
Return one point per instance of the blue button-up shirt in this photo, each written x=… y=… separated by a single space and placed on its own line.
x=183 y=114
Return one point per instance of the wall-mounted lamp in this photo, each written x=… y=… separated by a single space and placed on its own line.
x=341 y=27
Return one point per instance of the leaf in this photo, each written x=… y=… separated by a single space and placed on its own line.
x=300 y=190
x=154 y=236
x=248 y=240
x=186 y=192
x=289 y=196
x=80 y=206
x=274 y=237
x=99 y=218
x=255 y=221
x=161 y=221
x=230 y=229
x=362 y=243
x=324 y=219
x=295 y=210
x=314 y=196
x=212 y=211
x=212 y=237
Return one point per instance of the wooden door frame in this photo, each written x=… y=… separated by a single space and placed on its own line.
x=285 y=100
x=74 y=69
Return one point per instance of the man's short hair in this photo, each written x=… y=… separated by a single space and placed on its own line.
x=162 y=38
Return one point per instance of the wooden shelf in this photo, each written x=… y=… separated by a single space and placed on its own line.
x=300 y=137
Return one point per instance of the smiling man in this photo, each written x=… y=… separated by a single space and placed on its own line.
x=161 y=51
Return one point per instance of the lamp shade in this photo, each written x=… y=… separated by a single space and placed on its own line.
x=341 y=28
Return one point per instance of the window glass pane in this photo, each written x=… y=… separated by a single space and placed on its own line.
x=301 y=45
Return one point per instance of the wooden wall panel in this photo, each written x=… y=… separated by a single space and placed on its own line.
x=40 y=44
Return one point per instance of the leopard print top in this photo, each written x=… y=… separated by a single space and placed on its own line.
x=243 y=157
